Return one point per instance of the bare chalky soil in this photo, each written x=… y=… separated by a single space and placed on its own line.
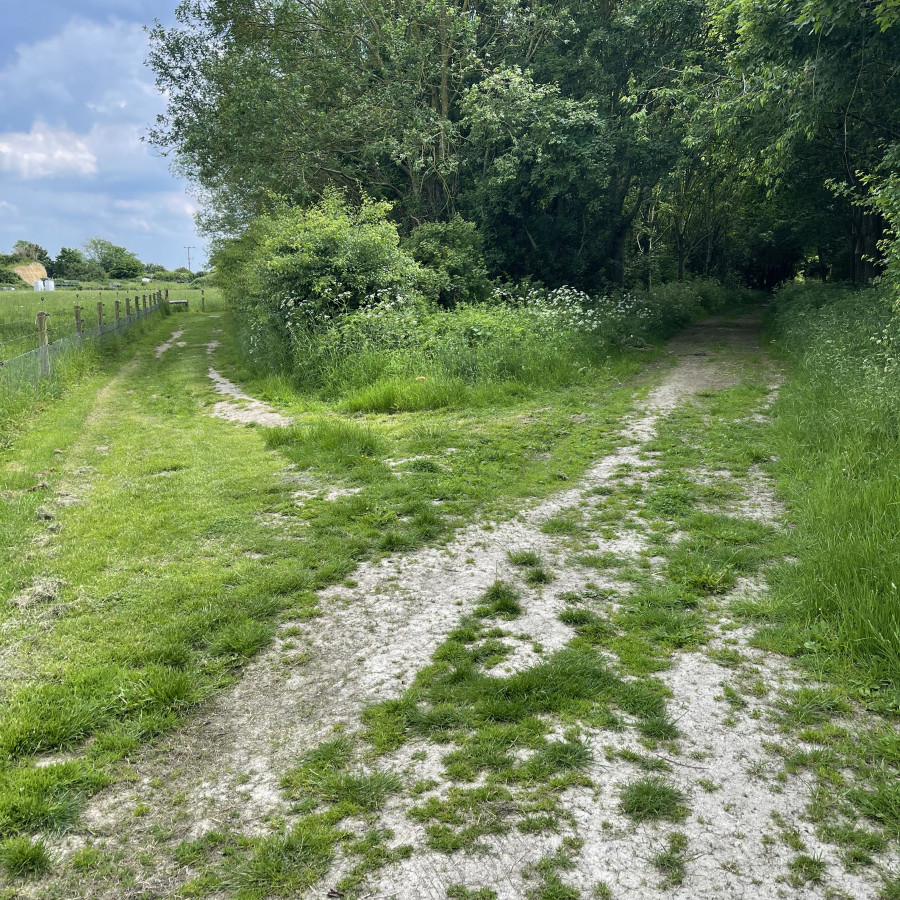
x=563 y=704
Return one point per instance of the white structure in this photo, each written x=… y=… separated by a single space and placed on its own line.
x=46 y=284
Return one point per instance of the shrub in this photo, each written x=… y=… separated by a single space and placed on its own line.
x=452 y=262
x=297 y=269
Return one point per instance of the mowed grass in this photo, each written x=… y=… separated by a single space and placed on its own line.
x=180 y=544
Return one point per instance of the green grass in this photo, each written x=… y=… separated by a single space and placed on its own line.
x=22 y=857
x=838 y=606
x=525 y=558
x=284 y=865
x=459 y=892
x=671 y=861
x=499 y=600
x=499 y=728
x=652 y=798
x=186 y=547
x=805 y=869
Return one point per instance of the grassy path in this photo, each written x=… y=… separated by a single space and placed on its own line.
x=566 y=702
x=149 y=549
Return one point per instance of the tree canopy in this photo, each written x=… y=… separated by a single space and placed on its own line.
x=587 y=142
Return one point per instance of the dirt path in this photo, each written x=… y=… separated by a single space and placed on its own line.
x=376 y=634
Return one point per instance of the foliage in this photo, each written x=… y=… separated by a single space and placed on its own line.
x=297 y=269
x=28 y=251
x=450 y=253
x=624 y=142
x=71 y=264
x=116 y=261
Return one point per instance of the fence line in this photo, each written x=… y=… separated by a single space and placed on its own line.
x=38 y=364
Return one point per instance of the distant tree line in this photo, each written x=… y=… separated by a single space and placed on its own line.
x=99 y=260
x=588 y=142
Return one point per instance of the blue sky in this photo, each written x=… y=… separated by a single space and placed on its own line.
x=75 y=99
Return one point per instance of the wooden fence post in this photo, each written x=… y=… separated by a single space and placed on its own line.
x=167 y=293
x=100 y=315
x=202 y=300
x=118 y=305
x=127 y=308
x=144 y=300
x=79 y=327
x=41 y=322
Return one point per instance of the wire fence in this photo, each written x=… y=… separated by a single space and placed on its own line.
x=37 y=365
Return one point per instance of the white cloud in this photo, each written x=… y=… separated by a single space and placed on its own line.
x=76 y=102
x=44 y=152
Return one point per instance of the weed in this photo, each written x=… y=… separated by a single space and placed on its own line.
x=459 y=892
x=890 y=889
x=811 y=706
x=283 y=865
x=500 y=600
x=321 y=777
x=526 y=558
x=578 y=616
x=805 y=868
x=567 y=522
x=538 y=576
x=670 y=862
x=598 y=560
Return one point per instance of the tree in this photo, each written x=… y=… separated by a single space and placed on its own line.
x=116 y=261
x=809 y=89
x=69 y=264
x=28 y=250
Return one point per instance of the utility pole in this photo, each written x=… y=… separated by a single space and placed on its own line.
x=189 y=256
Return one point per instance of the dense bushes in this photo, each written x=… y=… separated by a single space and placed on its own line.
x=453 y=267
x=329 y=296
x=838 y=429
x=292 y=272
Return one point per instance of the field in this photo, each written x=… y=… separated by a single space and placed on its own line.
x=606 y=634
x=18 y=332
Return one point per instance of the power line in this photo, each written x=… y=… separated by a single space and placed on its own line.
x=189 y=256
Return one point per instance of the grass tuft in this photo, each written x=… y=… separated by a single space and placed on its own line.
x=499 y=600
x=651 y=798
x=22 y=857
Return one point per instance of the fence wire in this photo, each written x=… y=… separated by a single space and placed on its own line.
x=29 y=368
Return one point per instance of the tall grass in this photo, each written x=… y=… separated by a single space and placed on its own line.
x=407 y=354
x=838 y=441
